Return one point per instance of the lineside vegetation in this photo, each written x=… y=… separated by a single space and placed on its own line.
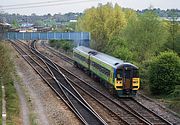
x=141 y=39
x=6 y=72
x=164 y=73
x=63 y=45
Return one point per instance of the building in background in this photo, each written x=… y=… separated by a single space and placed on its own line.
x=4 y=27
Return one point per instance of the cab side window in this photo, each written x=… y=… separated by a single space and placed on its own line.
x=119 y=73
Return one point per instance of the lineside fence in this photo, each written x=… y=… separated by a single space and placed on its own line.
x=79 y=38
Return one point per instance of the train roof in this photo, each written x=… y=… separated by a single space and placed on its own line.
x=112 y=61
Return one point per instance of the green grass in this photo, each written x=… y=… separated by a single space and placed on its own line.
x=173 y=100
x=7 y=72
x=12 y=104
x=33 y=119
x=0 y=102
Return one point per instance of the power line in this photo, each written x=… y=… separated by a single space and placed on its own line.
x=34 y=3
x=46 y=5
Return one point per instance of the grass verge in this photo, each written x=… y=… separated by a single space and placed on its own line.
x=33 y=119
x=0 y=102
x=6 y=72
x=12 y=104
x=173 y=100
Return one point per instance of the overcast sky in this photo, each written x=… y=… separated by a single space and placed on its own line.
x=65 y=6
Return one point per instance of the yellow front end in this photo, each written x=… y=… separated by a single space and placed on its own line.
x=118 y=84
x=121 y=91
x=135 y=83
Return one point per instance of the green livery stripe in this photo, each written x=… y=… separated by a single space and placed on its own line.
x=109 y=79
x=81 y=62
x=82 y=54
x=101 y=75
x=101 y=63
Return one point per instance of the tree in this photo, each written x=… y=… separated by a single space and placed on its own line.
x=174 y=44
x=15 y=24
x=72 y=26
x=115 y=24
x=117 y=47
x=164 y=73
x=173 y=27
x=145 y=36
x=174 y=32
x=103 y=22
x=98 y=17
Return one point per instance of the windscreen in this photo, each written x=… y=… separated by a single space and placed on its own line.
x=135 y=73
x=119 y=74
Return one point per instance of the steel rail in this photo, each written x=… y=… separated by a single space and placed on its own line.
x=40 y=60
x=65 y=80
x=72 y=94
x=152 y=117
x=57 y=53
x=136 y=112
x=20 y=51
x=37 y=54
x=100 y=98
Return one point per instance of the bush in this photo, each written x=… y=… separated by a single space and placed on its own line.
x=176 y=93
x=143 y=73
x=52 y=42
x=66 y=45
x=163 y=73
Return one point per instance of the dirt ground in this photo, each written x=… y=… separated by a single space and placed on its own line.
x=39 y=104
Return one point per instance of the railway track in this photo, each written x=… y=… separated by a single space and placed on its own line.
x=144 y=112
x=109 y=111
x=49 y=74
x=57 y=53
x=129 y=105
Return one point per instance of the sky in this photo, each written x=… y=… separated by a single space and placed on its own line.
x=65 y=6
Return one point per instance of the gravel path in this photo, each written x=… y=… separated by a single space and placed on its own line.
x=44 y=106
x=23 y=104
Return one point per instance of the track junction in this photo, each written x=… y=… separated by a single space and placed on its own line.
x=78 y=94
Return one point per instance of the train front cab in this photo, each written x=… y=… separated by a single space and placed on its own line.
x=127 y=80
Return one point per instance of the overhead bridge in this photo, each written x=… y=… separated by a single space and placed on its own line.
x=79 y=38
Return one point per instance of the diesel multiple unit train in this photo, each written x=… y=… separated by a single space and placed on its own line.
x=116 y=75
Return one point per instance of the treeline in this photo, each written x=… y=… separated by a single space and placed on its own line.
x=162 y=13
x=35 y=19
x=136 y=38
